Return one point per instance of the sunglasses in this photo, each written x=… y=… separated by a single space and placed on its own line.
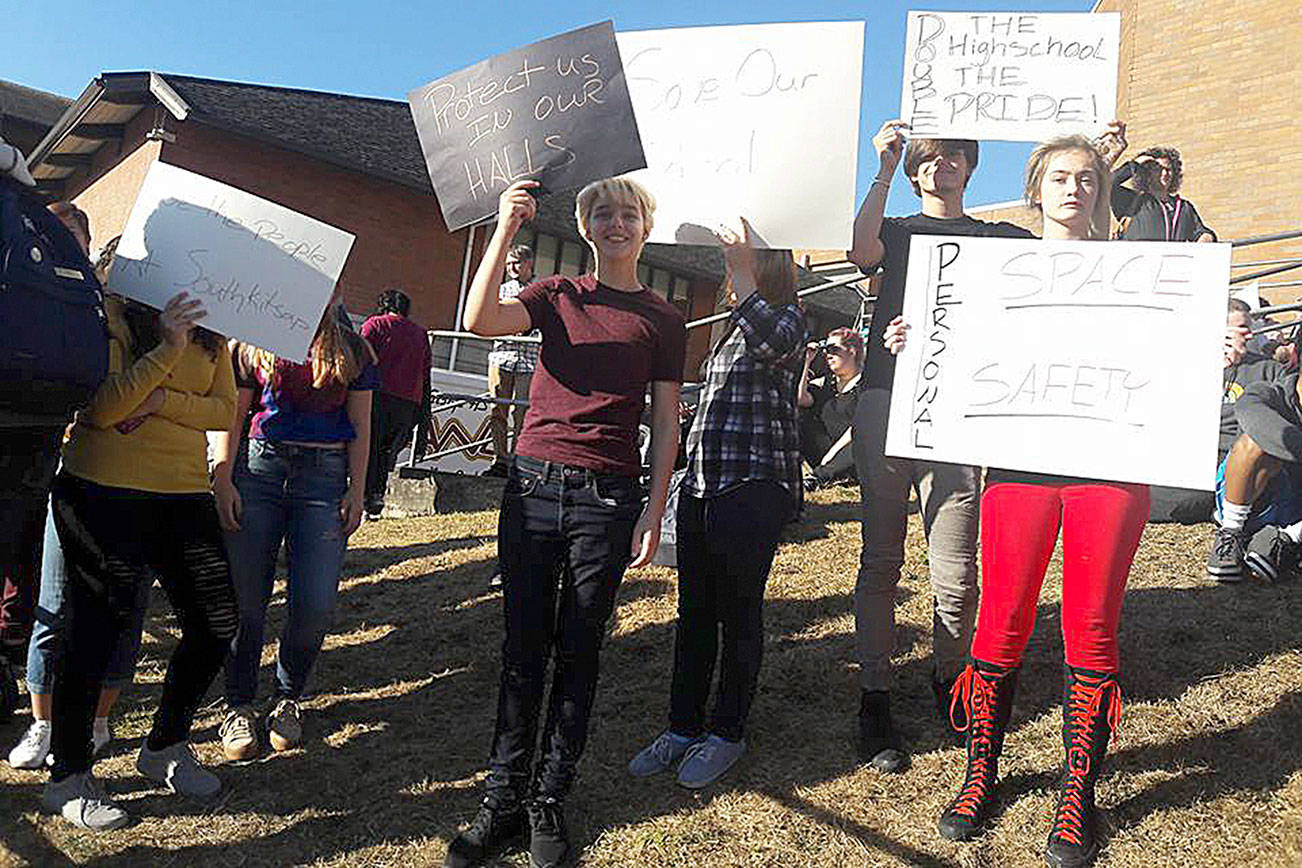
x=833 y=350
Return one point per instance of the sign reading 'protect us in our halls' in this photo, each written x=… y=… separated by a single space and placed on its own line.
x=556 y=111
x=1010 y=76
x=1090 y=359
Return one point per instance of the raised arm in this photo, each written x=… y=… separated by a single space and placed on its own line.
x=867 y=249
x=485 y=313
x=770 y=331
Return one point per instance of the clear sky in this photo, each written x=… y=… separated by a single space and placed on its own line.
x=387 y=47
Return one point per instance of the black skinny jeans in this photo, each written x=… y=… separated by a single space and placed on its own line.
x=726 y=545
x=28 y=457
x=111 y=537
x=392 y=421
x=562 y=530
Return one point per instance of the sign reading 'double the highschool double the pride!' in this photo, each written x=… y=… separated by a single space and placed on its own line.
x=263 y=272
x=1090 y=359
x=556 y=111
x=1010 y=76
x=758 y=120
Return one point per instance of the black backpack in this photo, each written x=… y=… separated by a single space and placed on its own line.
x=53 y=332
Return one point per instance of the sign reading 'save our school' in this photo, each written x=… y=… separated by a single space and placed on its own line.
x=556 y=111
x=1045 y=356
x=263 y=272
x=1010 y=76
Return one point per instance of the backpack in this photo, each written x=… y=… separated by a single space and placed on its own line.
x=53 y=331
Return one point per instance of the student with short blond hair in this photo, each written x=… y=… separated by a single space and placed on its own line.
x=573 y=504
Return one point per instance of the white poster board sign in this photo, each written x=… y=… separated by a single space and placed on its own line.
x=263 y=272
x=1083 y=358
x=1248 y=293
x=756 y=120
x=1010 y=76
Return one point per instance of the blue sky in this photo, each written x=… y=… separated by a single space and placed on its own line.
x=387 y=48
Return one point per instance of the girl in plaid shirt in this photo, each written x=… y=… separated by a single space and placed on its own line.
x=743 y=474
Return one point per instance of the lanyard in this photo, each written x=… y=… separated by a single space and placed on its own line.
x=1170 y=223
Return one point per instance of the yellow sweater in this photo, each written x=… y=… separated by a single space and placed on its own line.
x=167 y=452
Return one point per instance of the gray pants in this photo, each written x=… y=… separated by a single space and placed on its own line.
x=950 y=497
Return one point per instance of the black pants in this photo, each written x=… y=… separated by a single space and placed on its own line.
x=572 y=523
x=111 y=537
x=28 y=457
x=392 y=420
x=725 y=549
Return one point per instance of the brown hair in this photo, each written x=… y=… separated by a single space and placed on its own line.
x=1038 y=164
x=1145 y=171
x=65 y=211
x=775 y=276
x=921 y=151
x=852 y=340
x=337 y=353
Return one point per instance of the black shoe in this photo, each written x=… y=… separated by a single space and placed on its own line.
x=1272 y=556
x=549 y=843
x=496 y=825
x=8 y=690
x=879 y=744
x=1091 y=711
x=1225 y=560
x=983 y=695
x=946 y=709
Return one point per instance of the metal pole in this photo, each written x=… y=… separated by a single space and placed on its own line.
x=454 y=450
x=1259 y=262
x=1278 y=308
x=1281 y=285
x=461 y=295
x=482 y=399
x=1245 y=278
x=718 y=317
x=1263 y=239
x=471 y=336
x=1274 y=327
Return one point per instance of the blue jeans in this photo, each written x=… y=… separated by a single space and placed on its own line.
x=1280 y=505
x=47 y=631
x=572 y=523
x=290 y=494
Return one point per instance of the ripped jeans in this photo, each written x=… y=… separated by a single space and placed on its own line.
x=290 y=493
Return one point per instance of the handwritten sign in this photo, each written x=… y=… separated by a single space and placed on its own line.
x=1084 y=358
x=556 y=111
x=1011 y=76
x=263 y=272
x=756 y=120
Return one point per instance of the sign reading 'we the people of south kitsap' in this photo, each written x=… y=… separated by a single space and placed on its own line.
x=1011 y=76
x=263 y=272
x=556 y=111
x=1091 y=359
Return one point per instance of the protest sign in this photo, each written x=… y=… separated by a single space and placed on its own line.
x=1010 y=76
x=1084 y=358
x=263 y=272
x=755 y=120
x=1248 y=293
x=556 y=111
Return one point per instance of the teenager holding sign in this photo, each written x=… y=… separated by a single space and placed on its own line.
x=938 y=170
x=572 y=502
x=1021 y=515
x=742 y=480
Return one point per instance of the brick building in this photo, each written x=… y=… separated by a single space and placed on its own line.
x=1222 y=82
x=353 y=162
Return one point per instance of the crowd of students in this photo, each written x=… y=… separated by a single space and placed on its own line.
x=290 y=466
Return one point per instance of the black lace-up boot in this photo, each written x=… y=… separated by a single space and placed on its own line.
x=1090 y=714
x=499 y=822
x=982 y=699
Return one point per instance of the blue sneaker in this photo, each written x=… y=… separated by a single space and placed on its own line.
x=706 y=761
x=660 y=755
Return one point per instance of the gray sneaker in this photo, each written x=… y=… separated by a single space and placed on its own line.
x=81 y=800
x=660 y=755
x=707 y=760
x=178 y=768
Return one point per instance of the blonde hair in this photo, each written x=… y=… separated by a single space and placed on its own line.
x=1038 y=164
x=622 y=191
x=337 y=354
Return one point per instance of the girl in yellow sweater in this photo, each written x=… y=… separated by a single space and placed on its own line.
x=133 y=496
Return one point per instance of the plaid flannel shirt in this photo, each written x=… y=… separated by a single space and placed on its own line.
x=511 y=356
x=745 y=427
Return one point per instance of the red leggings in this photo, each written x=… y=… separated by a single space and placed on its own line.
x=1101 y=527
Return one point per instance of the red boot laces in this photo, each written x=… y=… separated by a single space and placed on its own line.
x=975 y=694
x=1083 y=706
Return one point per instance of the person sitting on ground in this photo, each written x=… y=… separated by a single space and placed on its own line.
x=510 y=367
x=1259 y=486
x=402 y=400
x=829 y=404
x=1153 y=210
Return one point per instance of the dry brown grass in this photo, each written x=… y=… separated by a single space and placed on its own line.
x=1207 y=770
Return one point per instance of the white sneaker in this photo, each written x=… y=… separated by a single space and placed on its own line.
x=101 y=736
x=81 y=800
x=285 y=725
x=179 y=769
x=32 y=750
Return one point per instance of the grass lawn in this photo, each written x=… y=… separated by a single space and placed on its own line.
x=1207 y=770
